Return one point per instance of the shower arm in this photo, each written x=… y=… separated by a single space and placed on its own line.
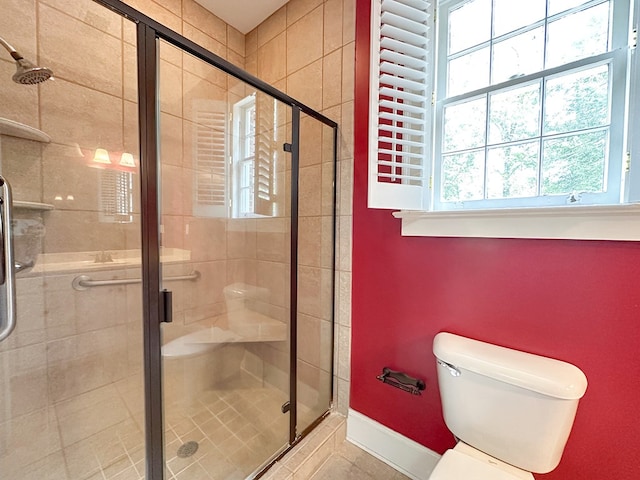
x=12 y=51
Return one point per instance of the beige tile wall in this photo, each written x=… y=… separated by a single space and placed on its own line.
x=307 y=49
x=70 y=353
x=75 y=354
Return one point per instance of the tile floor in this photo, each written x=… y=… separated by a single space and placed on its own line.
x=237 y=425
x=325 y=454
x=350 y=462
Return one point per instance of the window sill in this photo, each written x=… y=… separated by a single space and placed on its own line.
x=610 y=222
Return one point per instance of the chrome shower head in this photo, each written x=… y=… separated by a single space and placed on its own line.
x=27 y=73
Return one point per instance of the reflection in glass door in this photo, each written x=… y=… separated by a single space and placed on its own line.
x=71 y=386
x=79 y=397
x=315 y=271
x=225 y=243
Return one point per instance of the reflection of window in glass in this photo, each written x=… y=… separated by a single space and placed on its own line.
x=244 y=126
x=210 y=188
x=531 y=108
x=116 y=196
x=255 y=153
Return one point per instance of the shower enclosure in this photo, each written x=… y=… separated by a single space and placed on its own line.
x=173 y=236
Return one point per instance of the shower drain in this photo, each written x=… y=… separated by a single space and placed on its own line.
x=187 y=449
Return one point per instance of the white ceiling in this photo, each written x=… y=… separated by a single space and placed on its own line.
x=243 y=15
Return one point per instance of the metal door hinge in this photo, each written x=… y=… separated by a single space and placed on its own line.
x=287 y=147
x=628 y=162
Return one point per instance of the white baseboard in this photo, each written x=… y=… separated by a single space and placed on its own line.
x=408 y=457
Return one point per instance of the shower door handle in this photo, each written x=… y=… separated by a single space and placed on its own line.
x=7 y=273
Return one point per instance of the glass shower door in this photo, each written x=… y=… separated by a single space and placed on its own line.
x=316 y=222
x=225 y=243
x=71 y=375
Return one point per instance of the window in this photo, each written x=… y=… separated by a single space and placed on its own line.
x=116 y=196
x=244 y=117
x=210 y=151
x=530 y=104
x=255 y=153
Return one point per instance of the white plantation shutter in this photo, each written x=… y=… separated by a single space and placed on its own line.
x=400 y=108
x=116 y=196
x=211 y=198
x=265 y=157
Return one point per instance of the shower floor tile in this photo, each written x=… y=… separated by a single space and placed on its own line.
x=238 y=425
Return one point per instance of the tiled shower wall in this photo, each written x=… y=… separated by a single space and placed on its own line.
x=71 y=353
x=72 y=367
x=305 y=49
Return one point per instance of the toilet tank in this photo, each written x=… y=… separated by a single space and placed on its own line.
x=515 y=406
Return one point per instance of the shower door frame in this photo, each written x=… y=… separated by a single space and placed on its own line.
x=149 y=32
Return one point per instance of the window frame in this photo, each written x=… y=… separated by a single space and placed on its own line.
x=619 y=58
x=242 y=138
x=577 y=222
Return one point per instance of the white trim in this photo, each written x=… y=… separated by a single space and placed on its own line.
x=576 y=222
x=408 y=457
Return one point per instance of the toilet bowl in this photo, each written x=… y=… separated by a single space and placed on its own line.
x=510 y=411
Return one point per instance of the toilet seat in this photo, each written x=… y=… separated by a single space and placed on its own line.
x=464 y=462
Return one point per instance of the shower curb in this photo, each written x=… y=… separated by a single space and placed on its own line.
x=312 y=452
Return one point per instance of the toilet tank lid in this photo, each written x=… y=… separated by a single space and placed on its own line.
x=540 y=374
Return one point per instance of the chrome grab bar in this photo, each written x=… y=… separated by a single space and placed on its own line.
x=84 y=282
x=7 y=272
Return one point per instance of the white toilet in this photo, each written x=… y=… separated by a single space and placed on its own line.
x=510 y=411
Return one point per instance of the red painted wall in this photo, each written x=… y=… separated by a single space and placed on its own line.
x=578 y=301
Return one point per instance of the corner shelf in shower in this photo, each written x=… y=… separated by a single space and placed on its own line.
x=20 y=130
x=12 y=128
